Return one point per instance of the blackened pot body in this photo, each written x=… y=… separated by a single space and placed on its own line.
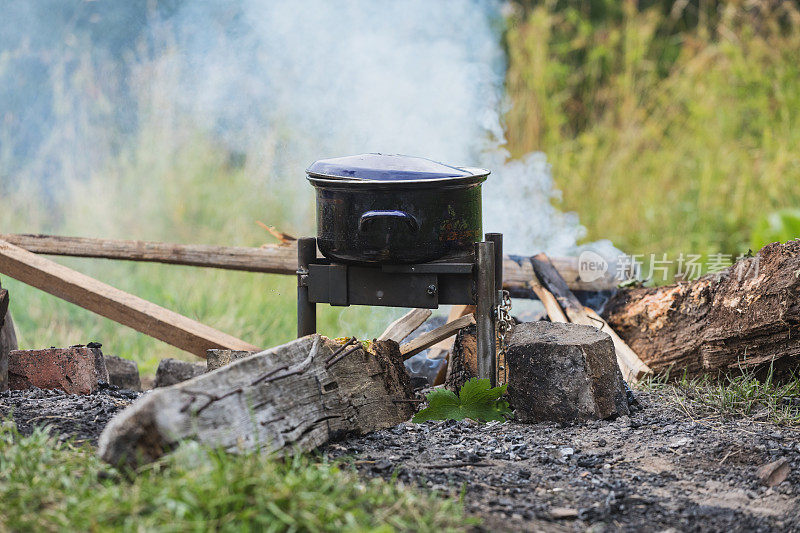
x=400 y=222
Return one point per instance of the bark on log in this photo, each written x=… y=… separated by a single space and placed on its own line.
x=275 y=259
x=747 y=315
x=299 y=395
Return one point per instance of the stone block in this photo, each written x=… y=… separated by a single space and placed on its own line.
x=123 y=373
x=74 y=370
x=172 y=371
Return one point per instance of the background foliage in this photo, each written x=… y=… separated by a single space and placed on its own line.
x=671 y=126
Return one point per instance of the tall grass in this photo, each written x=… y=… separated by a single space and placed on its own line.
x=665 y=136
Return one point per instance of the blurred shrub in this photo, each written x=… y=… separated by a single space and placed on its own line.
x=779 y=226
x=670 y=128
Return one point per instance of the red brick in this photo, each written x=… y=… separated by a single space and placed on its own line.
x=75 y=370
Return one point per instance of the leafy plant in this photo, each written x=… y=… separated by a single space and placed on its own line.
x=476 y=400
x=778 y=226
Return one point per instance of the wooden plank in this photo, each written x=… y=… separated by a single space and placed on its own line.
x=430 y=338
x=274 y=259
x=107 y=301
x=293 y=397
x=405 y=325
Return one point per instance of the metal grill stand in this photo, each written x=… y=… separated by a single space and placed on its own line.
x=425 y=285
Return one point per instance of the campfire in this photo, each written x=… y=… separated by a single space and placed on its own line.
x=399 y=232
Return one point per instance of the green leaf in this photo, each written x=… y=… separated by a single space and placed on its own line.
x=476 y=400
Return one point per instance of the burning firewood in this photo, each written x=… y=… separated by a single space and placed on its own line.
x=746 y=316
x=295 y=396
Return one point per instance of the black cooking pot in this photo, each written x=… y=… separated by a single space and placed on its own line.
x=376 y=208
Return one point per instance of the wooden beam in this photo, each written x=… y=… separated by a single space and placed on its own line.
x=405 y=325
x=273 y=259
x=430 y=338
x=107 y=301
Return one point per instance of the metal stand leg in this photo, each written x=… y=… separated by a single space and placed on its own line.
x=484 y=313
x=306 y=310
x=497 y=239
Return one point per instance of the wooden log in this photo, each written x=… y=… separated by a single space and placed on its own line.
x=8 y=338
x=429 y=338
x=748 y=313
x=105 y=300
x=463 y=362
x=296 y=396
x=405 y=325
x=275 y=259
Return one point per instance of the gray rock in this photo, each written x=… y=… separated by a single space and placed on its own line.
x=123 y=373
x=172 y=371
x=218 y=358
x=563 y=372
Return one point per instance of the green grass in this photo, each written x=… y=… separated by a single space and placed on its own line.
x=669 y=131
x=46 y=486
x=734 y=396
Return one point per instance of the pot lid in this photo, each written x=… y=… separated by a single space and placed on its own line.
x=386 y=167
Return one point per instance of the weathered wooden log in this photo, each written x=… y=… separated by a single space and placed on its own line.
x=105 y=300
x=8 y=338
x=275 y=259
x=462 y=365
x=747 y=315
x=296 y=396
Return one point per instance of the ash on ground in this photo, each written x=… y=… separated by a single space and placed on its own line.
x=67 y=416
x=661 y=468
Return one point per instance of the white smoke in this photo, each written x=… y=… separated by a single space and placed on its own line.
x=282 y=84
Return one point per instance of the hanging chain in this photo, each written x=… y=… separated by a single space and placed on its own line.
x=504 y=325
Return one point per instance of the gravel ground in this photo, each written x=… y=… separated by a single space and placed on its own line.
x=659 y=469
x=77 y=416
x=664 y=468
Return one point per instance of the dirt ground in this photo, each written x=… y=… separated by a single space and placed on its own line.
x=664 y=468
x=661 y=469
x=75 y=416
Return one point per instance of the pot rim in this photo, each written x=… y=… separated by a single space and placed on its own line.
x=477 y=175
